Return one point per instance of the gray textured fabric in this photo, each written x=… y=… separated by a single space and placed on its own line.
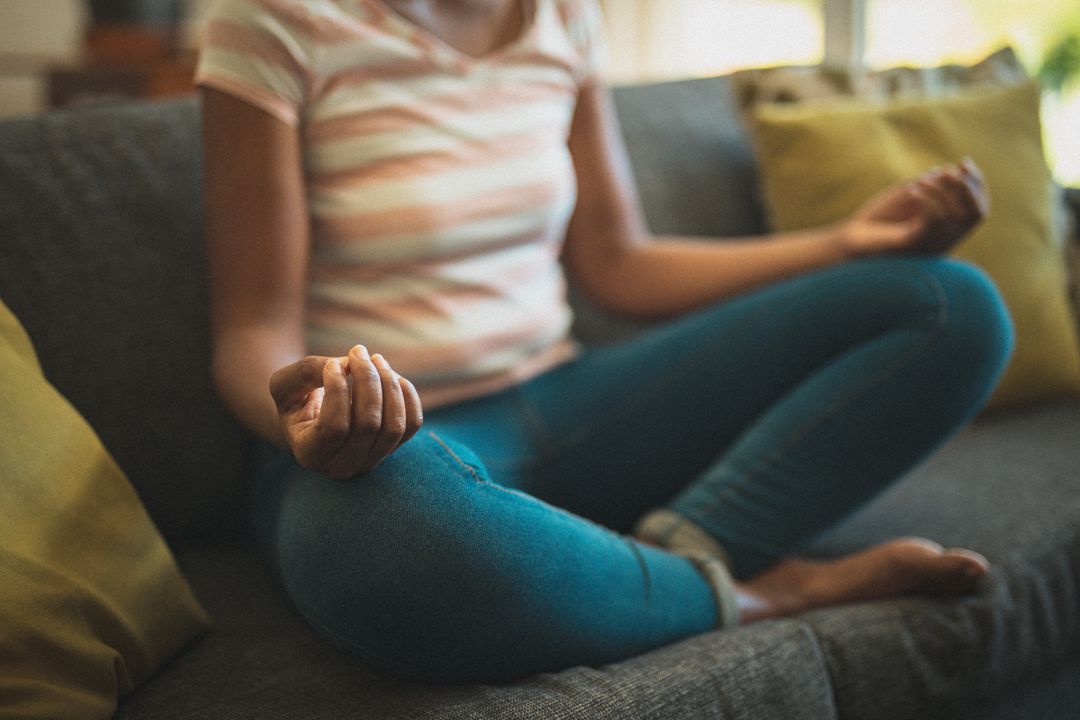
x=263 y=662
x=101 y=258
x=1008 y=487
x=1051 y=695
x=692 y=159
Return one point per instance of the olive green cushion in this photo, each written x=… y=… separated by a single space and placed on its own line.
x=91 y=602
x=820 y=161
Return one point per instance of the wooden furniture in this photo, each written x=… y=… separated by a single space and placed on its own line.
x=123 y=61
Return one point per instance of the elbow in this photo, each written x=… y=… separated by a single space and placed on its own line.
x=624 y=299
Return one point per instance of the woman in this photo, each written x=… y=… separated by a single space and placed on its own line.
x=408 y=174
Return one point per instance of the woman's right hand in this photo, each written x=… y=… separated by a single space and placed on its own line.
x=343 y=416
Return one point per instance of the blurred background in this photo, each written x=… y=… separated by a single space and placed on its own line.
x=66 y=52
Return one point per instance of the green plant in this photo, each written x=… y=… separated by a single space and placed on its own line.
x=1061 y=63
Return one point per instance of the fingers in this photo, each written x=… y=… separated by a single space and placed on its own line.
x=367 y=405
x=385 y=411
x=414 y=413
x=331 y=428
x=346 y=414
x=954 y=200
x=393 y=425
x=947 y=207
x=959 y=191
x=929 y=214
x=973 y=176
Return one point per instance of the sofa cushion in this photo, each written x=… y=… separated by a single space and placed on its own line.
x=814 y=174
x=809 y=83
x=815 y=83
x=91 y=601
x=264 y=662
x=101 y=257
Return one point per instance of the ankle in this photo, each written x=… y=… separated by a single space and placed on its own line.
x=673 y=531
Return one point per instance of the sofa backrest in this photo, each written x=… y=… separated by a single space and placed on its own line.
x=101 y=257
x=692 y=158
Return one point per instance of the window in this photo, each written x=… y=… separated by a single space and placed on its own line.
x=655 y=40
x=924 y=32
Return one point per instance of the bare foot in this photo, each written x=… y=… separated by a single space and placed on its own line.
x=900 y=567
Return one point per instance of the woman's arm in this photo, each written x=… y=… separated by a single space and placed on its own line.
x=257 y=242
x=612 y=257
x=338 y=415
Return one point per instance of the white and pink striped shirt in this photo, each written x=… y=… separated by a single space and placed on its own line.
x=439 y=185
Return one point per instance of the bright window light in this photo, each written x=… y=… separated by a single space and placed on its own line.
x=929 y=32
x=665 y=39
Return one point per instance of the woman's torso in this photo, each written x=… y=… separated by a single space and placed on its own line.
x=439 y=184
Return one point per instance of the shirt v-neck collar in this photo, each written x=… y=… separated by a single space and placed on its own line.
x=396 y=23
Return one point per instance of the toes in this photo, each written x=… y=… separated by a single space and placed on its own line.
x=971 y=564
x=921 y=566
x=976 y=558
x=920 y=543
x=956 y=572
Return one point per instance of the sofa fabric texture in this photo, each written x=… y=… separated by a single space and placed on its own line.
x=101 y=258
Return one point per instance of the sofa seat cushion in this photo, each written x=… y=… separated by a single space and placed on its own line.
x=1009 y=488
x=262 y=661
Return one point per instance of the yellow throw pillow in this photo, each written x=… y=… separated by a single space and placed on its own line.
x=91 y=601
x=819 y=162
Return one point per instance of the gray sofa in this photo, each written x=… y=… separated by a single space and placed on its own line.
x=101 y=257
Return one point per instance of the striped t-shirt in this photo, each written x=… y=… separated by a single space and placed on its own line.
x=439 y=185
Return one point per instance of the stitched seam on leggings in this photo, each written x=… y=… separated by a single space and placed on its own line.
x=646 y=577
x=463 y=465
x=556 y=513
x=561 y=514
x=832 y=410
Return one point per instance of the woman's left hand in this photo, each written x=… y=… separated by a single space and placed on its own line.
x=927 y=215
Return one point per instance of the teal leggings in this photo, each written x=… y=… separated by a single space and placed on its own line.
x=492 y=545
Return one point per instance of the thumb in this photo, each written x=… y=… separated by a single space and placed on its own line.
x=901 y=235
x=291 y=384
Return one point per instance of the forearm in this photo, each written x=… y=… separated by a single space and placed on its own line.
x=669 y=276
x=244 y=360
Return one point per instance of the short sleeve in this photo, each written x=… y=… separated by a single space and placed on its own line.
x=585 y=27
x=254 y=50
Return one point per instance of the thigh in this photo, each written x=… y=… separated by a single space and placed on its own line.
x=626 y=427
